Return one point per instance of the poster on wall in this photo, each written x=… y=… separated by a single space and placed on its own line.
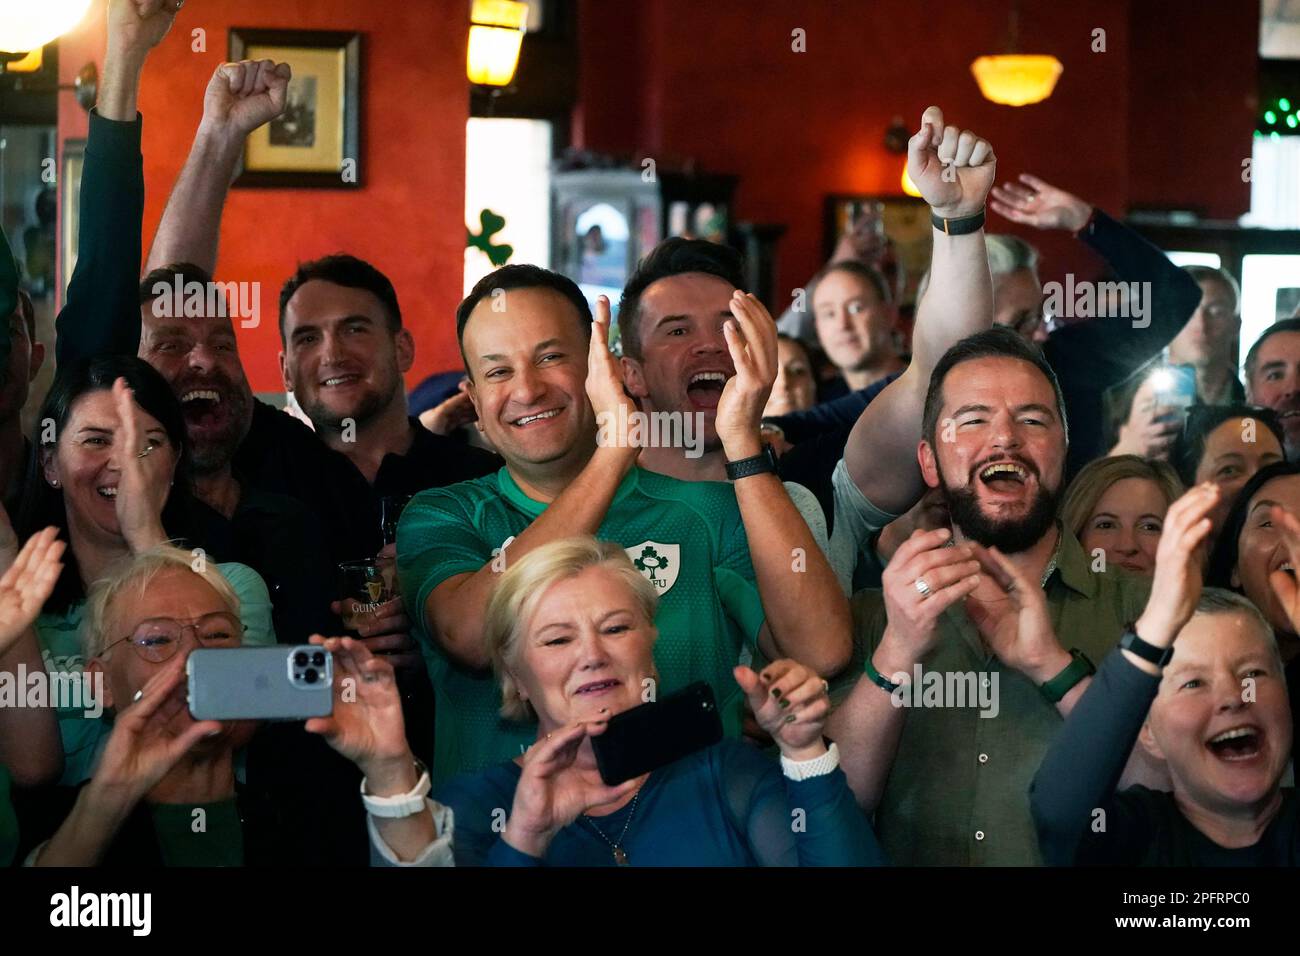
x=316 y=142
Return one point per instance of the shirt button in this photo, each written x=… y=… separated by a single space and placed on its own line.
x=979 y=834
x=984 y=758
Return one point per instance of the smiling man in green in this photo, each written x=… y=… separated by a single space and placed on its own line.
x=542 y=378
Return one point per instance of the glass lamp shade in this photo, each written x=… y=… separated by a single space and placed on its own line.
x=29 y=24
x=1015 y=79
x=496 y=34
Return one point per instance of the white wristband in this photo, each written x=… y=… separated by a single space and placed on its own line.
x=816 y=767
x=403 y=804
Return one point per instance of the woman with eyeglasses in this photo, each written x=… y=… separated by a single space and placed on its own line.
x=165 y=791
x=112 y=474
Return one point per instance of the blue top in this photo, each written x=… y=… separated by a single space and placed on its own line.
x=727 y=805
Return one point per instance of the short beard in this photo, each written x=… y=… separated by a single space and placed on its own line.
x=368 y=407
x=1008 y=536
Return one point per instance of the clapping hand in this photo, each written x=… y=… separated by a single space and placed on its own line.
x=751 y=341
x=1176 y=585
x=1016 y=624
x=145 y=474
x=27 y=584
x=605 y=380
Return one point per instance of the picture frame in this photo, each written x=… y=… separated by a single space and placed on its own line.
x=74 y=158
x=905 y=222
x=316 y=144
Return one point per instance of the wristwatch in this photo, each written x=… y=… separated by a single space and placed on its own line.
x=1148 y=652
x=958 y=227
x=403 y=804
x=760 y=464
x=1060 y=685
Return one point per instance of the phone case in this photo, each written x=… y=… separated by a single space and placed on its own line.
x=656 y=734
x=260 y=683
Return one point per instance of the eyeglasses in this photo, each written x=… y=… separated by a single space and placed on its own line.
x=157 y=639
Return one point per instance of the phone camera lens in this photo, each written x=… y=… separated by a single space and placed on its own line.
x=318 y=659
x=300 y=659
x=310 y=675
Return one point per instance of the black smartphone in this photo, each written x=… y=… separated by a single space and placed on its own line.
x=653 y=735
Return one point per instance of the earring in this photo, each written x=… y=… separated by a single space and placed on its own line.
x=54 y=482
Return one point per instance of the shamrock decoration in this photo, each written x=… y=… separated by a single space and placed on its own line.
x=652 y=561
x=489 y=225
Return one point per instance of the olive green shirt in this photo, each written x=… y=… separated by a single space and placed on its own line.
x=958 y=793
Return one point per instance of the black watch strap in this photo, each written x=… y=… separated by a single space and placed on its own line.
x=760 y=464
x=958 y=227
x=1148 y=652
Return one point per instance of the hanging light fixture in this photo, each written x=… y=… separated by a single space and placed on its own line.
x=1014 y=78
x=495 y=35
x=27 y=25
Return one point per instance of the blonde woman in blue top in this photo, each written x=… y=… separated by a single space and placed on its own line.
x=571 y=635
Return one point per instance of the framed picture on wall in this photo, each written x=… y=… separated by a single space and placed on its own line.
x=74 y=157
x=317 y=142
x=901 y=226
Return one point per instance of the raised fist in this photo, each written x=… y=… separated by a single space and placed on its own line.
x=243 y=96
x=953 y=168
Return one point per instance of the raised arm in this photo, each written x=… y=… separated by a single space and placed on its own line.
x=101 y=314
x=240 y=98
x=773 y=525
x=954 y=170
x=1080 y=772
x=455 y=609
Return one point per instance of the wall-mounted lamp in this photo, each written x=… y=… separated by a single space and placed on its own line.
x=1013 y=78
x=495 y=35
x=26 y=26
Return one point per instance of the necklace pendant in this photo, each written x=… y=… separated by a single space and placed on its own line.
x=620 y=857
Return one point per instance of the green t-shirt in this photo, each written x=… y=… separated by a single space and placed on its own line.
x=8 y=821
x=689 y=541
x=81 y=722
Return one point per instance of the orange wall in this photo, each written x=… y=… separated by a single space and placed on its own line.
x=408 y=219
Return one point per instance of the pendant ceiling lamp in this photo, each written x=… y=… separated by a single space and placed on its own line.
x=1014 y=78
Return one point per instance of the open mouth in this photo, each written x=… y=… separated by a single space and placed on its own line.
x=107 y=491
x=1239 y=743
x=533 y=419
x=598 y=687
x=1004 y=475
x=704 y=389
x=201 y=405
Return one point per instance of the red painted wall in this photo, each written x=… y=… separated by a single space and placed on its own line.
x=1157 y=118
x=408 y=219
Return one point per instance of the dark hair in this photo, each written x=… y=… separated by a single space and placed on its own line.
x=1189 y=445
x=673 y=257
x=187 y=272
x=868 y=274
x=28 y=312
x=997 y=342
x=1283 y=325
x=519 y=276
x=1224 y=557
x=42 y=505
x=349 y=272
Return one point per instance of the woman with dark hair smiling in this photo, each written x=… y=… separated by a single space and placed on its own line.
x=112 y=474
x=1252 y=557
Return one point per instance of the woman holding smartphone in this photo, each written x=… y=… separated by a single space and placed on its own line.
x=165 y=792
x=112 y=475
x=571 y=633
